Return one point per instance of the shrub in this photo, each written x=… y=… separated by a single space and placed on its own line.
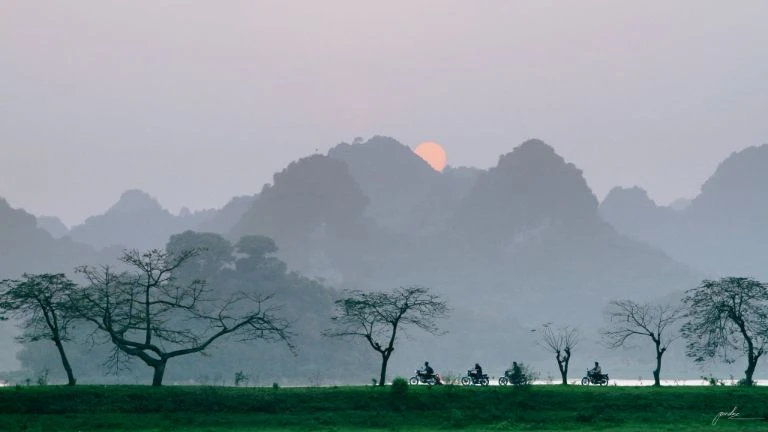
x=399 y=387
x=241 y=378
x=450 y=378
x=42 y=379
x=712 y=380
x=529 y=373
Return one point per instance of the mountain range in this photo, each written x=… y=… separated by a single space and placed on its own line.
x=722 y=231
x=511 y=247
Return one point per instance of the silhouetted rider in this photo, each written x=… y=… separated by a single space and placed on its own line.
x=428 y=371
x=517 y=373
x=477 y=372
x=597 y=370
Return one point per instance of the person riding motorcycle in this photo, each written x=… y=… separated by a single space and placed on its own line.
x=428 y=372
x=515 y=374
x=596 y=371
x=477 y=372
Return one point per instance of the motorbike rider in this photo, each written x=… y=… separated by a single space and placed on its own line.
x=428 y=371
x=596 y=371
x=517 y=373
x=477 y=372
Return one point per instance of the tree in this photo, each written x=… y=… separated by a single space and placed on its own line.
x=629 y=318
x=561 y=343
x=147 y=314
x=256 y=255
x=215 y=254
x=727 y=314
x=42 y=303
x=377 y=317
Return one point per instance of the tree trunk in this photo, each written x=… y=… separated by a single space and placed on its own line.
x=751 y=365
x=564 y=372
x=657 y=371
x=159 y=367
x=383 y=375
x=562 y=364
x=65 y=362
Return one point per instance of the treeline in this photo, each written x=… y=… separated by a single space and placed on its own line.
x=161 y=307
x=204 y=296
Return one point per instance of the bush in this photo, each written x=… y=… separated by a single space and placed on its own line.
x=529 y=373
x=450 y=378
x=42 y=379
x=712 y=380
x=241 y=378
x=399 y=387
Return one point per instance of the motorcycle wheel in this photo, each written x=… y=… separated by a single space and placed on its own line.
x=604 y=381
x=585 y=381
x=413 y=381
x=503 y=381
x=466 y=381
x=484 y=381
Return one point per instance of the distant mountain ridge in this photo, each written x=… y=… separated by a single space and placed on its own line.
x=24 y=247
x=720 y=232
x=524 y=229
x=510 y=247
x=137 y=220
x=53 y=225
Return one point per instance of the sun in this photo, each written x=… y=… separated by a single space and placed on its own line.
x=433 y=154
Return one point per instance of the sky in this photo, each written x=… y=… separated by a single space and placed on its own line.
x=196 y=102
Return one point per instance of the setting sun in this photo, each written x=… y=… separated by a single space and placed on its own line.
x=432 y=153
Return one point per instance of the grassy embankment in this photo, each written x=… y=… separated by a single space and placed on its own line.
x=137 y=408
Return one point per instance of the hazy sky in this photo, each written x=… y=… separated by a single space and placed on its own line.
x=196 y=102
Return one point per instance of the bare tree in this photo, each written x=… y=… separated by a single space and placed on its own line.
x=147 y=314
x=727 y=314
x=628 y=318
x=560 y=342
x=377 y=317
x=41 y=302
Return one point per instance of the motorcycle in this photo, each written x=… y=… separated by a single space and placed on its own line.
x=599 y=379
x=508 y=378
x=422 y=378
x=473 y=379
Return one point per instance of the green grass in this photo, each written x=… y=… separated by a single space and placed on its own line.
x=139 y=408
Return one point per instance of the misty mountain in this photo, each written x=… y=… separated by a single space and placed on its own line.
x=53 y=225
x=524 y=232
x=221 y=221
x=720 y=232
x=510 y=248
x=635 y=215
x=315 y=211
x=24 y=247
x=136 y=220
x=405 y=194
x=680 y=204
x=532 y=224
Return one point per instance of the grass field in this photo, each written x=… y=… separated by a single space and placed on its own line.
x=139 y=408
